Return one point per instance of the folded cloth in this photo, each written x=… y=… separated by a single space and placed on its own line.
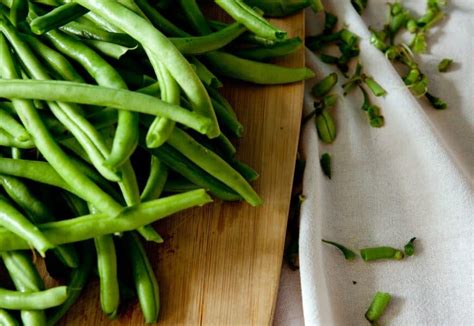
x=413 y=177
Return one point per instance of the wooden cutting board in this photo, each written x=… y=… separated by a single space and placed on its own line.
x=220 y=264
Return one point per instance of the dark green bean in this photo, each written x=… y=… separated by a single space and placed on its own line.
x=206 y=76
x=280 y=8
x=216 y=96
x=248 y=17
x=213 y=164
x=91 y=226
x=194 y=16
x=144 y=278
x=179 y=185
x=76 y=283
x=26 y=278
x=228 y=120
x=13 y=220
x=246 y=171
x=264 y=53
x=369 y=254
x=158 y=20
x=91 y=32
x=255 y=72
x=57 y=17
x=15 y=300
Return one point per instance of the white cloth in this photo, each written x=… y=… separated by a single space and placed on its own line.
x=413 y=177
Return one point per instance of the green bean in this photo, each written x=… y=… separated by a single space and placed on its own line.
x=325 y=163
x=161 y=128
x=10 y=141
x=369 y=254
x=57 y=17
x=325 y=85
x=144 y=278
x=13 y=127
x=326 y=127
x=126 y=137
x=179 y=185
x=158 y=20
x=194 y=16
x=348 y=253
x=255 y=72
x=101 y=96
x=156 y=180
x=378 y=306
x=47 y=146
x=18 y=11
x=180 y=164
x=280 y=8
x=217 y=97
x=26 y=278
x=263 y=53
x=213 y=164
x=165 y=52
x=210 y=42
x=246 y=171
x=444 y=64
x=248 y=17
x=76 y=283
x=409 y=248
x=91 y=226
x=16 y=222
x=16 y=153
x=228 y=120
x=205 y=75
x=40 y=300
x=53 y=59
x=6 y=319
x=89 y=32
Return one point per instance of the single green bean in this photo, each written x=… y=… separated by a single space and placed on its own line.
x=325 y=162
x=326 y=127
x=144 y=278
x=57 y=17
x=180 y=164
x=194 y=16
x=228 y=120
x=246 y=171
x=78 y=279
x=210 y=42
x=101 y=96
x=156 y=180
x=6 y=319
x=409 y=248
x=91 y=32
x=165 y=52
x=91 y=226
x=216 y=96
x=324 y=86
x=15 y=300
x=378 y=306
x=248 y=17
x=13 y=220
x=107 y=266
x=369 y=254
x=108 y=49
x=263 y=53
x=26 y=278
x=348 y=254
x=255 y=72
x=444 y=64
x=213 y=164
x=8 y=140
x=45 y=143
x=18 y=11
x=179 y=185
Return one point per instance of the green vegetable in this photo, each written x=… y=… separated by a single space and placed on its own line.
x=410 y=247
x=377 y=307
x=324 y=86
x=369 y=254
x=325 y=162
x=348 y=254
x=326 y=127
x=359 y=5
x=15 y=300
x=436 y=102
x=444 y=65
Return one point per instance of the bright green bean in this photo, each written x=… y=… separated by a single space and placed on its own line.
x=156 y=180
x=6 y=319
x=165 y=52
x=91 y=226
x=47 y=146
x=369 y=254
x=57 y=17
x=13 y=127
x=144 y=278
x=378 y=306
x=108 y=49
x=210 y=42
x=216 y=96
x=8 y=140
x=255 y=72
x=26 y=278
x=13 y=220
x=101 y=96
x=248 y=17
x=15 y=300
x=194 y=16
x=107 y=266
x=263 y=53
x=213 y=164
x=246 y=171
x=205 y=75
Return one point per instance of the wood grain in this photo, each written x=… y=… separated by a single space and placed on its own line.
x=221 y=263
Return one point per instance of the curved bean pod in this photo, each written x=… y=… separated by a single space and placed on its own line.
x=156 y=180
x=15 y=300
x=194 y=16
x=57 y=17
x=263 y=53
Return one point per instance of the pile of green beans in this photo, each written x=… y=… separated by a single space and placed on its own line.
x=111 y=118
